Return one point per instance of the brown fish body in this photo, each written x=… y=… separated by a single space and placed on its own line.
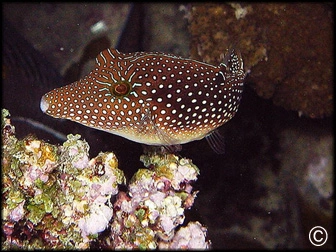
x=152 y=98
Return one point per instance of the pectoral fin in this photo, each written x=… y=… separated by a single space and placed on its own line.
x=216 y=142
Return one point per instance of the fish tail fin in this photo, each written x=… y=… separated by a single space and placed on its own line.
x=233 y=62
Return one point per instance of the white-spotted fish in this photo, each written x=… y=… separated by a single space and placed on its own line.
x=152 y=98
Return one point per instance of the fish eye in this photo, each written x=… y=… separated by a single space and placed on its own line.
x=120 y=89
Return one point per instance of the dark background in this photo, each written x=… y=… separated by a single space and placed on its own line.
x=264 y=192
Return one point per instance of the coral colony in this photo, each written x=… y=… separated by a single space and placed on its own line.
x=57 y=197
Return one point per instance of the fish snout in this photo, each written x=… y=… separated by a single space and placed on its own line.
x=44 y=104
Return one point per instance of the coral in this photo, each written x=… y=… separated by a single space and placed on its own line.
x=191 y=236
x=57 y=197
x=154 y=208
x=287 y=62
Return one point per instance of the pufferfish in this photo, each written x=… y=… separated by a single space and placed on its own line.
x=153 y=98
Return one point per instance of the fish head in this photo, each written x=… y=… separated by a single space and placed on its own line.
x=108 y=98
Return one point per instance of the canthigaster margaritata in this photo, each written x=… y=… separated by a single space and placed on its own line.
x=152 y=98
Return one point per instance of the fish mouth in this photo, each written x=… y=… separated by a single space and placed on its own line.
x=44 y=104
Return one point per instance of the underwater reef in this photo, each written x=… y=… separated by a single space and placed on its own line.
x=57 y=197
x=276 y=179
x=287 y=49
